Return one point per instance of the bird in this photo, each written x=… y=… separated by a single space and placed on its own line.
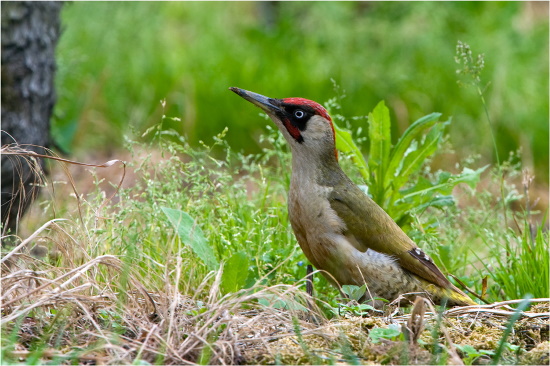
x=340 y=229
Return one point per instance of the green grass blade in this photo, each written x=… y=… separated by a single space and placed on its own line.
x=521 y=307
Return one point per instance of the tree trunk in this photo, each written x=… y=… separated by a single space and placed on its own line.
x=30 y=31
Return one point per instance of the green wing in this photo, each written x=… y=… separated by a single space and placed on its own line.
x=370 y=227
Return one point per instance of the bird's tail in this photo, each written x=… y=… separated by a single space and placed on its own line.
x=454 y=296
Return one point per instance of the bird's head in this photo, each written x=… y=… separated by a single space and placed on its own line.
x=305 y=124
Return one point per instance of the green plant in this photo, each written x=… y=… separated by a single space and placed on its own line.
x=191 y=234
x=111 y=319
x=346 y=349
x=235 y=273
x=471 y=354
x=393 y=174
x=392 y=333
x=312 y=357
x=354 y=292
x=502 y=345
x=472 y=69
x=522 y=262
x=352 y=304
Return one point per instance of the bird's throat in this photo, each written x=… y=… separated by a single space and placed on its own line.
x=323 y=172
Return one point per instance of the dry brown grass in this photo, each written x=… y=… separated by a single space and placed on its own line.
x=151 y=324
x=80 y=312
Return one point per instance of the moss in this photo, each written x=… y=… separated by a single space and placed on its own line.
x=540 y=355
x=484 y=333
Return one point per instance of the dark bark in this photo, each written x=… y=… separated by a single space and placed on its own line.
x=269 y=12
x=30 y=31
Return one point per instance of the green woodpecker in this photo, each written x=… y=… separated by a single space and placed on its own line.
x=340 y=229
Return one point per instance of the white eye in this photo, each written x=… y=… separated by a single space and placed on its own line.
x=299 y=113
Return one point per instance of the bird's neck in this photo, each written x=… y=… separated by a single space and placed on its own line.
x=316 y=169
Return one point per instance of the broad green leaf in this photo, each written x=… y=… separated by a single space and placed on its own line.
x=376 y=334
x=414 y=160
x=191 y=234
x=379 y=134
x=414 y=132
x=380 y=144
x=468 y=350
x=354 y=292
x=427 y=194
x=426 y=198
x=401 y=207
x=468 y=176
x=344 y=143
x=437 y=201
x=235 y=273
x=365 y=307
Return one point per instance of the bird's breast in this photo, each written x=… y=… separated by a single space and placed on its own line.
x=314 y=221
x=323 y=237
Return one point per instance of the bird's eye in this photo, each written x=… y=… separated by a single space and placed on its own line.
x=299 y=113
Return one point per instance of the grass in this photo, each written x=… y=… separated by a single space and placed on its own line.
x=123 y=287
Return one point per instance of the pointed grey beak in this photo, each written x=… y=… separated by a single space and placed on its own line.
x=267 y=104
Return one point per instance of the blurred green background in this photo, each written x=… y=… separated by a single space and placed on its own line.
x=116 y=61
